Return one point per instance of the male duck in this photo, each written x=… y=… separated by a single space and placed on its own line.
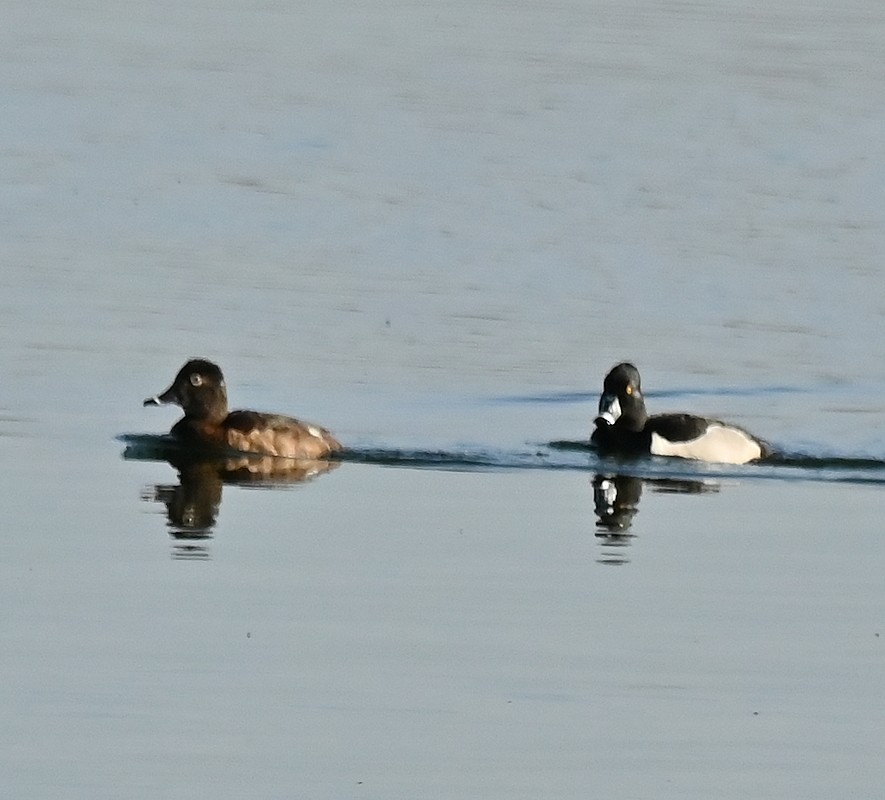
x=623 y=426
x=199 y=389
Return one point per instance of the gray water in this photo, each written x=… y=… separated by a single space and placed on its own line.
x=433 y=229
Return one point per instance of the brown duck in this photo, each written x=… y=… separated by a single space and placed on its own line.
x=200 y=391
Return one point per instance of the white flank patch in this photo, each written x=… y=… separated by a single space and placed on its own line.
x=316 y=432
x=718 y=443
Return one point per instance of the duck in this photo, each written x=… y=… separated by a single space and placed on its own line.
x=208 y=424
x=624 y=427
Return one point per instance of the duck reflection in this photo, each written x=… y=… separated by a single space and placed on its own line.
x=616 y=502
x=193 y=504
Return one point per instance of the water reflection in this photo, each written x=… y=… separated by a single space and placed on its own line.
x=616 y=502
x=193 y=504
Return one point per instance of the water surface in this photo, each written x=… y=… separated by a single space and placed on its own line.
x=433 y=229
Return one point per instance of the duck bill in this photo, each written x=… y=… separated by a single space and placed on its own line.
x=168 y=396
x=609 y=409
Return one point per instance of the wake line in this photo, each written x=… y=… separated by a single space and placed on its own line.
x=563 y=455
x=827 y=469
x=478 y=460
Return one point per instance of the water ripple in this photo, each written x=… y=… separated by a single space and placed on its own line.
x=571 y=455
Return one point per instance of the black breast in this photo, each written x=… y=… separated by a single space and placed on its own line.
x=618 y=439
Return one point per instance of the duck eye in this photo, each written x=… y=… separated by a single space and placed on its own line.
x=629 y=389
x=196 y=379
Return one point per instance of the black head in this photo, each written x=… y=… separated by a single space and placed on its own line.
x=621 y=402
x=199 y=389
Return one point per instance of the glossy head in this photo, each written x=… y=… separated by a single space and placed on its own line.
x=621 y=402
x=199 y=389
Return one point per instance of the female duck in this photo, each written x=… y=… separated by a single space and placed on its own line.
x=623 y=426
x=199 y=389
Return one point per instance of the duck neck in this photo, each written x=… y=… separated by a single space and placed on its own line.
x=208 y=407
x=634 y=416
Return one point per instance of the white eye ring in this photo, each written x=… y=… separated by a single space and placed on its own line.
x=196 y=379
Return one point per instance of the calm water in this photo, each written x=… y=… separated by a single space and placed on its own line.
x=433 y=229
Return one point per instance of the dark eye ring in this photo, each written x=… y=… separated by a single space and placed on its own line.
x=196 y=379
